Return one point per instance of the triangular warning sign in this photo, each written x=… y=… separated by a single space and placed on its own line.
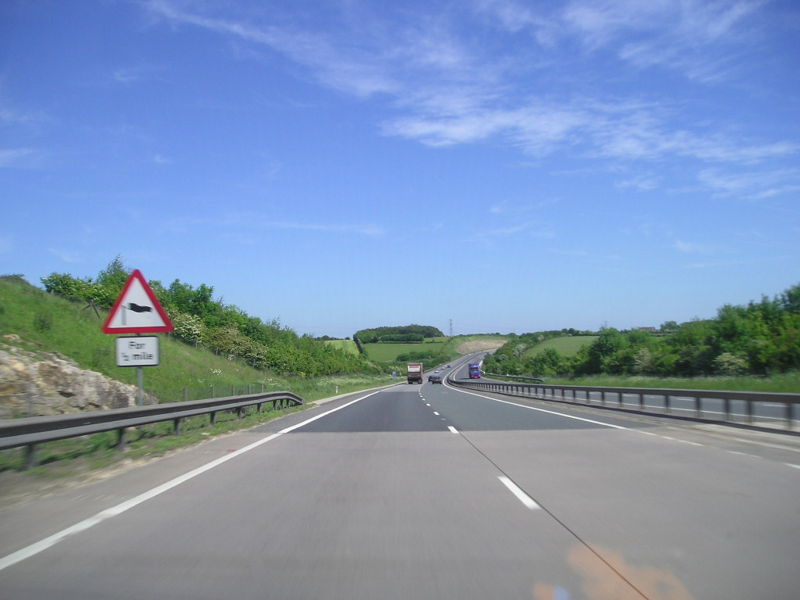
x=137 y=310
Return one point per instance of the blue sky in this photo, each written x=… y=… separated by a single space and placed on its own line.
x=512 y=166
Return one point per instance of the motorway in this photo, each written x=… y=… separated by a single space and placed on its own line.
x=425 y=491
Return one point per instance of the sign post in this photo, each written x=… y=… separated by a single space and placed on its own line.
x=137 y=310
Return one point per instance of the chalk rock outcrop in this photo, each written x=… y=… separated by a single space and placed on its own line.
x=35 y=384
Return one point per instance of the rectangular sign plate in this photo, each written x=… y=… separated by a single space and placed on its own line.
x=137 y=351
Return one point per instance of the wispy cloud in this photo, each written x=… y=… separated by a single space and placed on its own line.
x=753 y=184
x=445 y=91
x=243 y=222
x=134 y=74
x=694 y=247
x=67 y=256
x=367 y=230
x=18 y=157
x=692 y=37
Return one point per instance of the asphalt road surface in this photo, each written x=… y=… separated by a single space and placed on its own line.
x=424 y=491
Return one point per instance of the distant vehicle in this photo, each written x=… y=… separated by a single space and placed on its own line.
x=414 y=372
x=435 y=378
x=475 y=371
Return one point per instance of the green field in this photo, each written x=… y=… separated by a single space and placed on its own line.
x=390 y=352
x=451 y=348
x=566 y=346
x=346 y=345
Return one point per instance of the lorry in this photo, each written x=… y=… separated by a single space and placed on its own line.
x=475 y=371
x=415 y=372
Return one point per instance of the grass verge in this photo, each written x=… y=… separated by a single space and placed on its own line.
x=779 y=383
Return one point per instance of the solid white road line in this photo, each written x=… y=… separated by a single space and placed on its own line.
x=551 y=412
x=52 y=540
x=517 y=491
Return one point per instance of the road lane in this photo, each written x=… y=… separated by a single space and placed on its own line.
x=641 y=496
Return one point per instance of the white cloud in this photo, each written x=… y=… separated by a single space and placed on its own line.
x=693 y=247
x=67 y=256
x=446 y=92
x=755 y=185
x=18 y=157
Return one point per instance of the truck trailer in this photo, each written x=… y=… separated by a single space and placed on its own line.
x=415 y=372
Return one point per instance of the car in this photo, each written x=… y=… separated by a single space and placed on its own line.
x=435 y=378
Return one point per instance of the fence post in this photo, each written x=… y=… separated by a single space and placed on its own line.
x=121 y=441
x=186 y=394
x=30 y=456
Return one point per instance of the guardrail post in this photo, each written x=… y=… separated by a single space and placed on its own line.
x=213 y=418
x=603 y=397
x=749 y=409
x=619 y=399
x=788 y=415
x=641 y=401
x=258 y=406
x=666 y=404
x=697 y=407
x=240 y=412
x=727 y=404
x=30 y=456
x=177 y=426
x=121 y=441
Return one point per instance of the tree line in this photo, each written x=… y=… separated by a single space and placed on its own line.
x=399 y=334
x=758 y=339
x=224 y=329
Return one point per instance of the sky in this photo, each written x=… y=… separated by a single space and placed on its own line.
x=501 y=165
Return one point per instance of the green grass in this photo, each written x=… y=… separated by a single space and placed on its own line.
x=566 y=346
x=447 y=347
x=47 y=323
x=780 y=383
x=346 y=345
x=390 y=352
